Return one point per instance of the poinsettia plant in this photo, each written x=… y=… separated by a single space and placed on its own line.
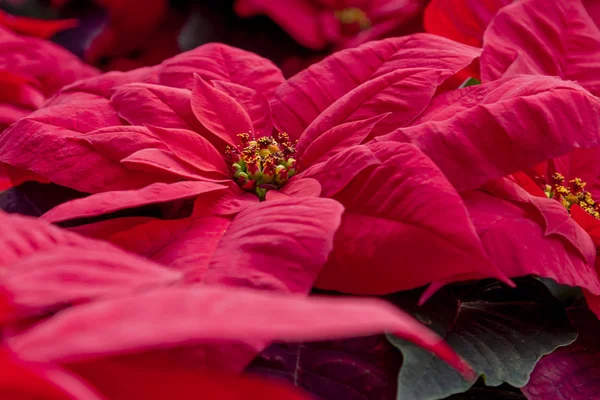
x=201 y=222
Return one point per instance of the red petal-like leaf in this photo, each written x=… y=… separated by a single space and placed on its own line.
x=556 y=39
x=527 y=119
x=26 y=381
x=220 y=113
x=193 y=149
x=335 y=140
x=44 y=29
x=305 y=96
x=145 y=104
x=51 y=65
x=73 y=164
x=340 y=170
x=204 y=313
x=462 y=20
x=107 y=202
x=276 y=245
x=404 y=226
x=515 y=238
x=256 y=105
x=51 y=280
x=45 y=269
x=215 y=61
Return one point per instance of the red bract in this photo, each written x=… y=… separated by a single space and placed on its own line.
x=346 y=23
x=44 y=29
x=32 y=70
x=553 y=39
x=137 y=33
x=91 y=308
x=461 y=20
x=526 y=36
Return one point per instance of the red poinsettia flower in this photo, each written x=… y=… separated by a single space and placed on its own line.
x=404 y=223
x=137 y=33
x=86 y=307
x=216 y=144
x=511 y=45
x=339 y=23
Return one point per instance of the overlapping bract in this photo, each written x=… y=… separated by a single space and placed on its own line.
x=340 y=24
x=75 y=305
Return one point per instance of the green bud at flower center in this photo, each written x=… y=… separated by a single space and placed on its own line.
x=263 y=164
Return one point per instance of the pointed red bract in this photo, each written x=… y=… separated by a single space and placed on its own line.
x=24 y=381
x=299 y=102
x=204 y=313
x=404 y=226
x=88 y=111
x=40 y=28
x=32 y=69
x=148 y=104
x=215 y=61
x=107 y=202
x=45 y=269
x=284 y=252
x=220 y=113
x=522 y=239
x=556 y=39
x=462 y=20
x=450 y=130
x=323 y=23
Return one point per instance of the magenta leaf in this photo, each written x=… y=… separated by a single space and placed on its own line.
x=145 y=104
x=108 y=202
x=215 y=61
x=559 y=39
x=401 y=214
x=284 y=252
x=256 y=105
x=516 y=237
x=212 y=313
x=462 y=20
x=450 y=131
x=46 y=269
x=300 y=100
x=220 y=113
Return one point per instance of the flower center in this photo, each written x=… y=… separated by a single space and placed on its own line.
x=571 y=193
x=263 y=164
x=353 y=16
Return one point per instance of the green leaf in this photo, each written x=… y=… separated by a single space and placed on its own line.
x=501 y=332
x=470 y=81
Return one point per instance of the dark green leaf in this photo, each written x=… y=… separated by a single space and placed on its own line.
x=469 y=82
x=501 y=332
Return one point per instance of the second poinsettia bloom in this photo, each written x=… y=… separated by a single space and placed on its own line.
x=336 y=23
